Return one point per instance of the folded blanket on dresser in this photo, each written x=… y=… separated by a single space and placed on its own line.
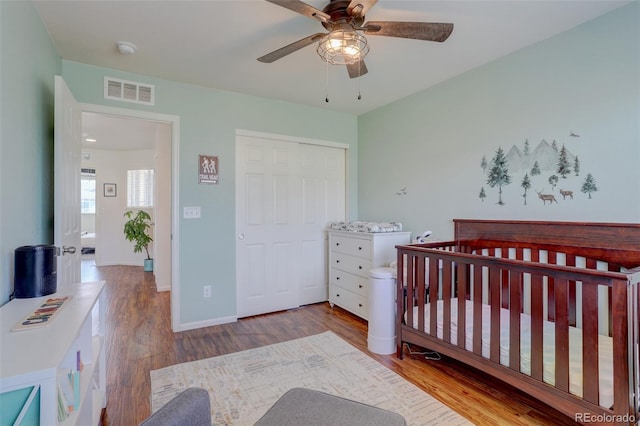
x=366 y=226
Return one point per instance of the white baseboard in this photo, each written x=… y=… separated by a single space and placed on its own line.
x=207 y=323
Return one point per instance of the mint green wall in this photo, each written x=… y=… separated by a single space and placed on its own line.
x=586 y=80
x=208 y=122
x=28 y=63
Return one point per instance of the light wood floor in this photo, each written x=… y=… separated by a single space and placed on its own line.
x=139 y=339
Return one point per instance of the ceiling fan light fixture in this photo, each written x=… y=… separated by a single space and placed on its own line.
x=342 y=47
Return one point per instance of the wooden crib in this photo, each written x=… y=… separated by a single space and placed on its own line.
x=549 y=307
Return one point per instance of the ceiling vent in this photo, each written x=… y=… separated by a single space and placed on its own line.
x=128 y=91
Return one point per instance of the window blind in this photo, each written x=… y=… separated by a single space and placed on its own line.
x=140 y=188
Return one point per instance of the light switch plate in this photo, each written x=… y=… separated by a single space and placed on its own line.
x=191 y=213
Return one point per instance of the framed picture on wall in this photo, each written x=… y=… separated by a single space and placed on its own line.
x=208 y=166
x=110 y=190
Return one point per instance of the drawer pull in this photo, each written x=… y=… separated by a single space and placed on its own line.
x=359 y=248
x=360 y=286
x=359 y=267
x=337 y=278
x=338 y=261
x=337 y=244
x=360 y=305
x=337 y=295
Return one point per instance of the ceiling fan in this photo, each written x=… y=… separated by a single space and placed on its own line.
x=343 y=44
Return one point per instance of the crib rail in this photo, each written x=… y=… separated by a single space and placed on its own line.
x=548 y=283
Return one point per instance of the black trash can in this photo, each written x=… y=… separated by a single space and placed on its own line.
x=35 y=271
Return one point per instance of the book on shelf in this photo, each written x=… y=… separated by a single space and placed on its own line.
x=63 y=406
x=66 y=398
x=75 y=376
x=69 y=390
x=79 y=364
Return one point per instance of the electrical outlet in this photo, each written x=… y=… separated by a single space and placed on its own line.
x=206 y=291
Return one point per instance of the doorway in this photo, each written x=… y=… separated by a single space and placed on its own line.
x=132 y=159
x=134 y=140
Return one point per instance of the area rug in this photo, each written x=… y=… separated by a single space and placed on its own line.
x=243 y=385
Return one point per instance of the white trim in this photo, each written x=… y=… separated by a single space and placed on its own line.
x=207 y=323
x=174 y=120
x=295 y=139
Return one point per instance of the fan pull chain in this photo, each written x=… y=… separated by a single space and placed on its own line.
x=359 y=77
x=326 y=97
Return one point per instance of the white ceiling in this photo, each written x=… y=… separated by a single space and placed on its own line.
x=215 y=43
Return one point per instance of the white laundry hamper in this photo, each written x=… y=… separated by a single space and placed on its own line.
x=381 y=338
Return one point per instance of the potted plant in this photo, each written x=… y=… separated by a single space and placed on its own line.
x=136 y=231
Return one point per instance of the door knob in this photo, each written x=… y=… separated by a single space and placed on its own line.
x=241 y=236
x=67 y=249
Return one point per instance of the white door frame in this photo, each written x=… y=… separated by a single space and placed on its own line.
x=174 y=120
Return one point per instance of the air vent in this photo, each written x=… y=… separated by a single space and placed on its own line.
x=128 y=91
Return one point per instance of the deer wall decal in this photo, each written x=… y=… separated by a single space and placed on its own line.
x=547 y=197
x=566 y=194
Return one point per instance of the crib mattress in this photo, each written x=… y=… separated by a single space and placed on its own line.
x=605 y=346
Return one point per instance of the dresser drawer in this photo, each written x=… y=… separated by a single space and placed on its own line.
x=352 y=302
x=353 y=246
x=354 y=283
x=351 y=264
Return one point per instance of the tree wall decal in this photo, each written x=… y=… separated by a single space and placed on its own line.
x=499 y=173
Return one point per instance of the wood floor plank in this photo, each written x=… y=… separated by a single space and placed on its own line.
x=139 y=339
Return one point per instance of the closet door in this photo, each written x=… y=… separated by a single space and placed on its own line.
x=322 y=173
x=284 y=199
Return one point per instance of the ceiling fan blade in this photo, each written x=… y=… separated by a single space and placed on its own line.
x=303 y=9
x=430 y=31
x=357 y=69
x=358 y=8
x=290 y=48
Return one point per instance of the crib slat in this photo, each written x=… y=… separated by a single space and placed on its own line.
x=562 y=334
x=590 y=371
x=420 y=284
x=504 y=280
x=495 y=289
x=462 y=281
x=446 y=300
x=400 y=301
x=571 y=261
x=537 y=330
x=551 y=302
x=515 y=290
x=411 y=264
x=477 y=309
x=434 y=284
x=622 y=387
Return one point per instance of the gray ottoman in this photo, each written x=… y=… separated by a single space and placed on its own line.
x=299 y=406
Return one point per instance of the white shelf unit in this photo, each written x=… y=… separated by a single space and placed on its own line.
x=351 y=256
x=37 y=358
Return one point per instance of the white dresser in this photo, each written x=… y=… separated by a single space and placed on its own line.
x=351 y=256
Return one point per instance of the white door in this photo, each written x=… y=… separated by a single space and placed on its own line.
x=283 y=203
x=66 y=209
x=322 y=172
